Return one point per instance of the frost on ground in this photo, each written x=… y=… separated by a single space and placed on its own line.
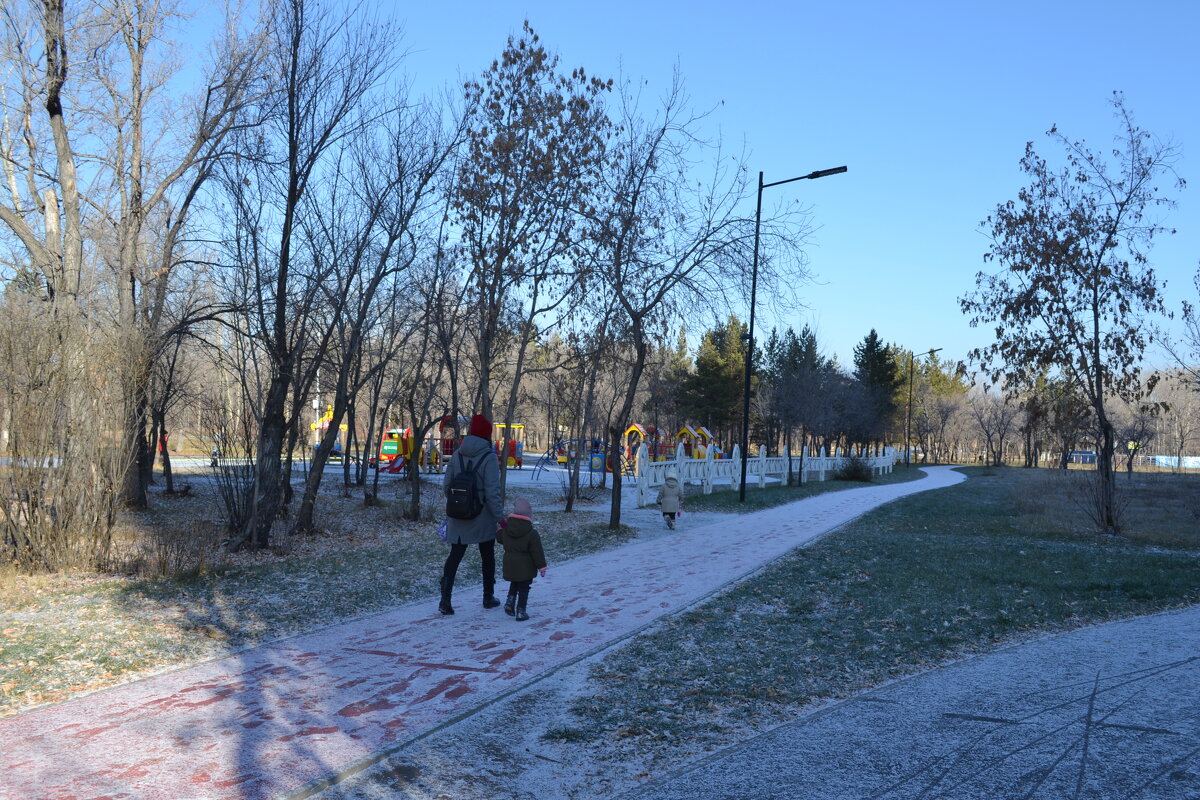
x=504 y=750
x=501 y=751
x=67 y=634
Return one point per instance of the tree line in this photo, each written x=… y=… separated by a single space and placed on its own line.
x=296 y=226
x=285 y=222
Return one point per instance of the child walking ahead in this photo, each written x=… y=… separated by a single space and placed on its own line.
x=670 y=498
x=523 y=557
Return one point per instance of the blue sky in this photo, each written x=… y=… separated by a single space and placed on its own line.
x=928 y=103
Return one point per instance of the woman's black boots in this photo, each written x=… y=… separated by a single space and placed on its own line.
x=447 y=587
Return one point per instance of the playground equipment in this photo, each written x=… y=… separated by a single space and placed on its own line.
x=396 y=449
x=688 y=437
x=448 y=440
x=697 y=441
x=567 y=450
x=321 y=426
x=390 y=447
x=398 y=446
x=649 y=438
x=516 y=444
x=705 y=441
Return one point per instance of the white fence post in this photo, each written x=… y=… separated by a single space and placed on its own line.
x=737 y=472
x=643 y=476
x=707 y=471
x=709 y=463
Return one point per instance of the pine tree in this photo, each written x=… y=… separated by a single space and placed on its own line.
x=876 y=370
x=712 y=394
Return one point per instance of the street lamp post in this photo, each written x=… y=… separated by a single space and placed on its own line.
x=821 y=173
x=908 y=414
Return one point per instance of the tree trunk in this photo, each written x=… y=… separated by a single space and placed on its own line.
x=1107 y=499
x=621 y=421
x=152 y=452
x=308 y=502
x=371 y=446
x=414 y=466
x=289 y=457
x=348 y=448
x=266 y=492
x=168 y=473
x=134 y=487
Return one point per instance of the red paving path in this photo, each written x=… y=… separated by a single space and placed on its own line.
x=268 y=721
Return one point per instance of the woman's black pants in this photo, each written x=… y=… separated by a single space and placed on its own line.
x=487 y=555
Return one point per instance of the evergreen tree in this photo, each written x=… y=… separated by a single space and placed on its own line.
x=712 y=394
x=875 y=367
x=667 y=370
x=795 y=374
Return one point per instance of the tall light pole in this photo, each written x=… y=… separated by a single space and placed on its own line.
x=908 y=414
x=821 y=173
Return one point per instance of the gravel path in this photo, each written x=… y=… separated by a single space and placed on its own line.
x=1106 y=712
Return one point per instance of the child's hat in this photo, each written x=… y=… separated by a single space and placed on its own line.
x=521 y=508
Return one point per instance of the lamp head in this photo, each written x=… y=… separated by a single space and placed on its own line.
x=822 y=173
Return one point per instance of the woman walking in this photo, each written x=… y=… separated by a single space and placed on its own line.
x=474 y=455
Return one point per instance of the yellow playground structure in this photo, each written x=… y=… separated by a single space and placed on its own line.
x=321 y=426
x=516 y=444
x=698 y=441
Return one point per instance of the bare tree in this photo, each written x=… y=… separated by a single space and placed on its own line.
x=1179 y=401
x=995 y=417
x=533 y=152
x=1136 y=427
x=57 y=489
x=327 y=69
x=44 y=212
x=1185 y=350
x=660 y=238
x=373 y=224
x=148 y=157
x=1075 y=286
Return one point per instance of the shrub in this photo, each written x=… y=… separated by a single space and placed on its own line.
x=856 y=468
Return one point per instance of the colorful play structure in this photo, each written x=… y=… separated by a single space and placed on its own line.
x=516 y=444
x=594 y=451
x=660 y=445
x=649 y=438
x=397 y=447
x=697 y=441
x=321 y=426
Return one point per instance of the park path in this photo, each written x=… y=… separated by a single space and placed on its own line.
x=1100 y=713
x=269 y=721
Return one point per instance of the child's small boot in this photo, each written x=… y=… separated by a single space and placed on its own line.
x=510 y=603
x=521 y=615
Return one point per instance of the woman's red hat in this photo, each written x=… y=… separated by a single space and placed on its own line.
x=481 y=426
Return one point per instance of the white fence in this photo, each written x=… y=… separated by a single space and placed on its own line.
x=706 y=471
x=709 y=470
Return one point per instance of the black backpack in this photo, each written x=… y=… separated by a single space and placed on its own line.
x=464 y=498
